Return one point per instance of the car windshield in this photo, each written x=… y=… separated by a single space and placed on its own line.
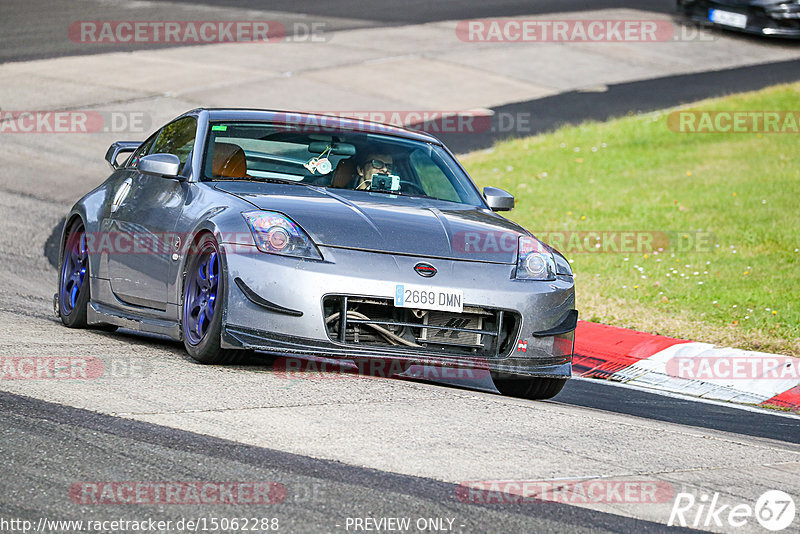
x=337 y=159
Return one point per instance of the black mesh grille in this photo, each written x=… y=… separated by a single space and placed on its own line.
x=484 y=332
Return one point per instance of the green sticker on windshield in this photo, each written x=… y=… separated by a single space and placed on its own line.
x=219 y=128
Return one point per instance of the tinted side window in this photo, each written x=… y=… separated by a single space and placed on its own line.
x=177 y=138
x=434 y=181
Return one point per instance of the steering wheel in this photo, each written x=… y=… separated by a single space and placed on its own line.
x=413 y=185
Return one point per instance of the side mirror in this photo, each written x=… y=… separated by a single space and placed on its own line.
x=497 y=199
x=120 y=147
x=164 y=165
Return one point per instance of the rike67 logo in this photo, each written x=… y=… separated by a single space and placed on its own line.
x=774 y=510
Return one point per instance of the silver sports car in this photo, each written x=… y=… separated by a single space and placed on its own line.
x=309 y=235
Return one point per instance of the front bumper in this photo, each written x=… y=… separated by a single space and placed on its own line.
x=277 y=306
x=760 y=21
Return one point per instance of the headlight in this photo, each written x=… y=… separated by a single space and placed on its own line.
x=278 y=234
x=785 y=10
x=534 y=261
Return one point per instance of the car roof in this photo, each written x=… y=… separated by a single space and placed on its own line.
x=314 y=119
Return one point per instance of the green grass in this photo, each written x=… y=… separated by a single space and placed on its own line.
x=634 y=173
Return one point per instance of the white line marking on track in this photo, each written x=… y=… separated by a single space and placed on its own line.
x=745 y=407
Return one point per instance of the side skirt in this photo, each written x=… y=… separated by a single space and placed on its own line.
x=99 y=313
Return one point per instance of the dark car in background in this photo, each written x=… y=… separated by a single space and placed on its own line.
x=774 y=18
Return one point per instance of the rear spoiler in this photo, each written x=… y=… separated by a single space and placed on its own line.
x=120 y=147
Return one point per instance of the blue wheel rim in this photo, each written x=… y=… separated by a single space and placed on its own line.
x=200 y=299
x=73 y=271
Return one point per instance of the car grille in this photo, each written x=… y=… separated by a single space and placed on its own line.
x=484 y=332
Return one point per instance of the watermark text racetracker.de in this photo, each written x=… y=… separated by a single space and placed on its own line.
x=186 y=492
x=740 y=367
x=73 y=122
x=568 y=491
x=471 y=121
x=477 y=242
x=73 y=367
x=94 y=32
x=577 y=30
x=738 y=121
x=322 y=369
x=589 y=241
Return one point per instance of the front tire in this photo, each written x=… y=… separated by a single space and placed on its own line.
x=203 y=294
x=529 y=388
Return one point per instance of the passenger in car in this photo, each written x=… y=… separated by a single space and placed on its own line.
x=344 y=174
x=229 y=161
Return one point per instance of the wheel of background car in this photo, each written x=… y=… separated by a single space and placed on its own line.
x=412 y=184
x=203 y=299
x=529 y=388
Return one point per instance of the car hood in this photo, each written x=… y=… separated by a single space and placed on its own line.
x=387 y=223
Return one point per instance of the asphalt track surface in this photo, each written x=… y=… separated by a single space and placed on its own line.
x=34 y=29
x=599 y=395
x=49 y=447
x=574 y=107
x=422 y=11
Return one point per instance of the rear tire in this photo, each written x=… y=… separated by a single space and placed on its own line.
x=73 y=278
x=203 y=298
x=529 y=388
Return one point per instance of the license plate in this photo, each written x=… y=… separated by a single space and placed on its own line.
x=726 y=18
x=428 y=298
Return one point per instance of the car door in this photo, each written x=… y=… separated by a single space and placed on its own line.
x=143 y=221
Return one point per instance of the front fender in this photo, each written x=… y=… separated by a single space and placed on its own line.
x=227 y=225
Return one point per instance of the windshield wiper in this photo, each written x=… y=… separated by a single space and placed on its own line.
x=267 y=179
x=398 y=193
